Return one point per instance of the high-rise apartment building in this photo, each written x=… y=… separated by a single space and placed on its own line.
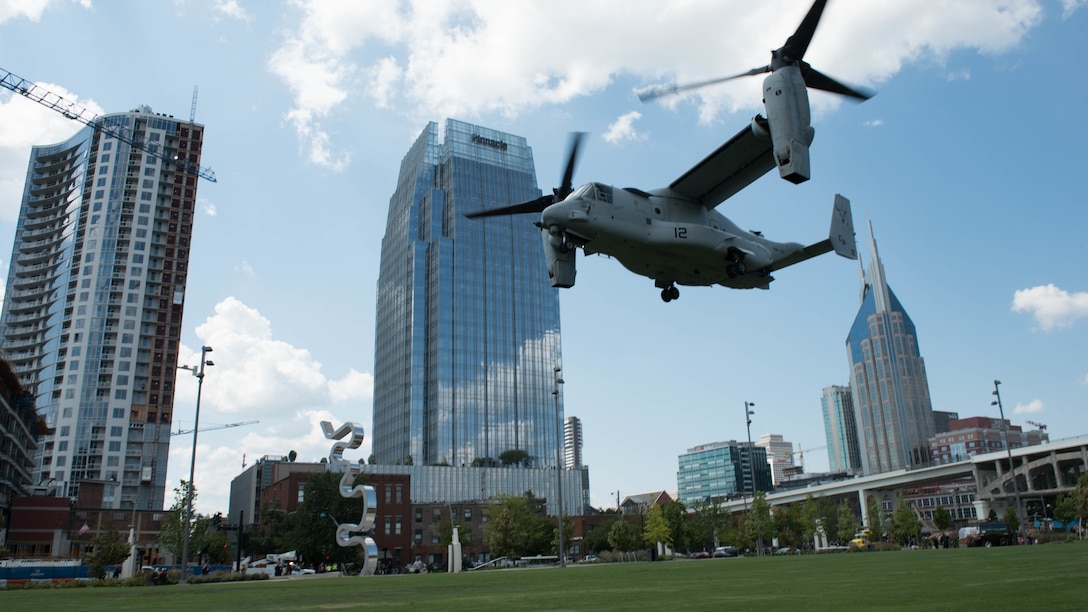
x=572 y=442
x=843 y=453
x=93 y=305
x=467 y=335
x=893 y=413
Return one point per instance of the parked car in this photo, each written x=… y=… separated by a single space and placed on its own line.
x=702 y=554
x=726 y=551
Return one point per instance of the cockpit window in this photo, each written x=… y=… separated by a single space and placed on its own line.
x=594 y=191
x=604 y=192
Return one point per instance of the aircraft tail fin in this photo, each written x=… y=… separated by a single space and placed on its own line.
x=842 y=229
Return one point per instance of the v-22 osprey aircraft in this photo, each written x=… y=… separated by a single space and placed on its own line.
x=673 y=235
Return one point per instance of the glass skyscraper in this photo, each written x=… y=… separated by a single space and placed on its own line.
x=467 y=335
x=893 y=413
x=843 y=454
x=93 y=305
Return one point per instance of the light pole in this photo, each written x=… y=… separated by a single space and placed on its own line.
x=559 y=467
x=751 y=475
x=197 y=371
x=1008 y=451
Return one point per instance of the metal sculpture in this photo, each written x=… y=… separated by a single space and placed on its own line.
x=353 y=534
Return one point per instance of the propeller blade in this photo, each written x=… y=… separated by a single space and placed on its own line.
x=532 y=206
x=668 y=90
x=572 y=160
x=796 y=45
x=818 y=80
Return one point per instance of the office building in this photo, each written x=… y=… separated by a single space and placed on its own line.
x=467 y=337
x=893 y=413
x=843 y=453
x=722 y=470
x=978 y=435
x=94 y=298
x=779 y=455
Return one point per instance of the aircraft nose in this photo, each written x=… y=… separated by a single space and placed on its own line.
x=563 y=213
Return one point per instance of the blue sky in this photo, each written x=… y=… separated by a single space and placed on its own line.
x=969 y=163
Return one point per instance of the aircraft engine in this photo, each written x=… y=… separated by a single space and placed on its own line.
x=786 y=100
x=560 y=255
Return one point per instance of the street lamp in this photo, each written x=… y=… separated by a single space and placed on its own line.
x=559 y=468
x=197 y=371
x=1008 y=451
x=751 y=475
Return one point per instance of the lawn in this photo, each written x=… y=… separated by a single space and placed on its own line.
x=1049 y=577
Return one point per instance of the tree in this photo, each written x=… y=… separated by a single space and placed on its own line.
x=846 y=522
x=172 y=535
x=1012 y=521
x=703 y=530
x=596 y=540
x=518 y=526
x=657 y=528
x=759 y=522
x=624 y=536
x=568 y=531
x=875 y=520
x=109 y=549
x=942 y=518
x=515 y=458
x=905 y=523
x=311 y=528
x=1074 y=505
x=219 y=551
x=673 y=513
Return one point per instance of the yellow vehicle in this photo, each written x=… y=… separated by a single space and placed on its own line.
x=862 y=539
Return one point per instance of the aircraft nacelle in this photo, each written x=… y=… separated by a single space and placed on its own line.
x=785 y=98
x=560 y=257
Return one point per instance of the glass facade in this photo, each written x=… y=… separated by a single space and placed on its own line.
x=721 y=471
x=890 y=391
x=93 y=305
x=467 y=333
x=843 y=453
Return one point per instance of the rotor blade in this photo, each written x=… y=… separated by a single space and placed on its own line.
x=572 y=160
x=796 y=45
x=668 y=90
x=533 y=206
x=818 y=80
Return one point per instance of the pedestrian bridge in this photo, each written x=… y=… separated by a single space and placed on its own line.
x=1042 y=470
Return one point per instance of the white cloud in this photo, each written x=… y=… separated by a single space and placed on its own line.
x=1052 y=307
x=1071 y=6
x=874 y=123
x=1032 y=407
x=465 y=58
x=245 y=268
x=231 y=8
x=210 y=209
x=963 y=74
x=30 y=9
x=256 y=377
x=624 y=129
x=23 y=124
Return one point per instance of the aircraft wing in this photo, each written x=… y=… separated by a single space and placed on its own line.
x=812 y=250
x=735 y=165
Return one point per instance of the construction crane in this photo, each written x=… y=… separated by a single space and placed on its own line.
x=75 y=112
x=213 y=427
x=800 y=452
x=1039 y=425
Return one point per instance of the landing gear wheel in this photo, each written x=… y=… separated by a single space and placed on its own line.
x=674 y=293
x=670 y=293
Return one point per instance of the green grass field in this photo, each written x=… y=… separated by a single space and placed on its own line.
x=1049 y=577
